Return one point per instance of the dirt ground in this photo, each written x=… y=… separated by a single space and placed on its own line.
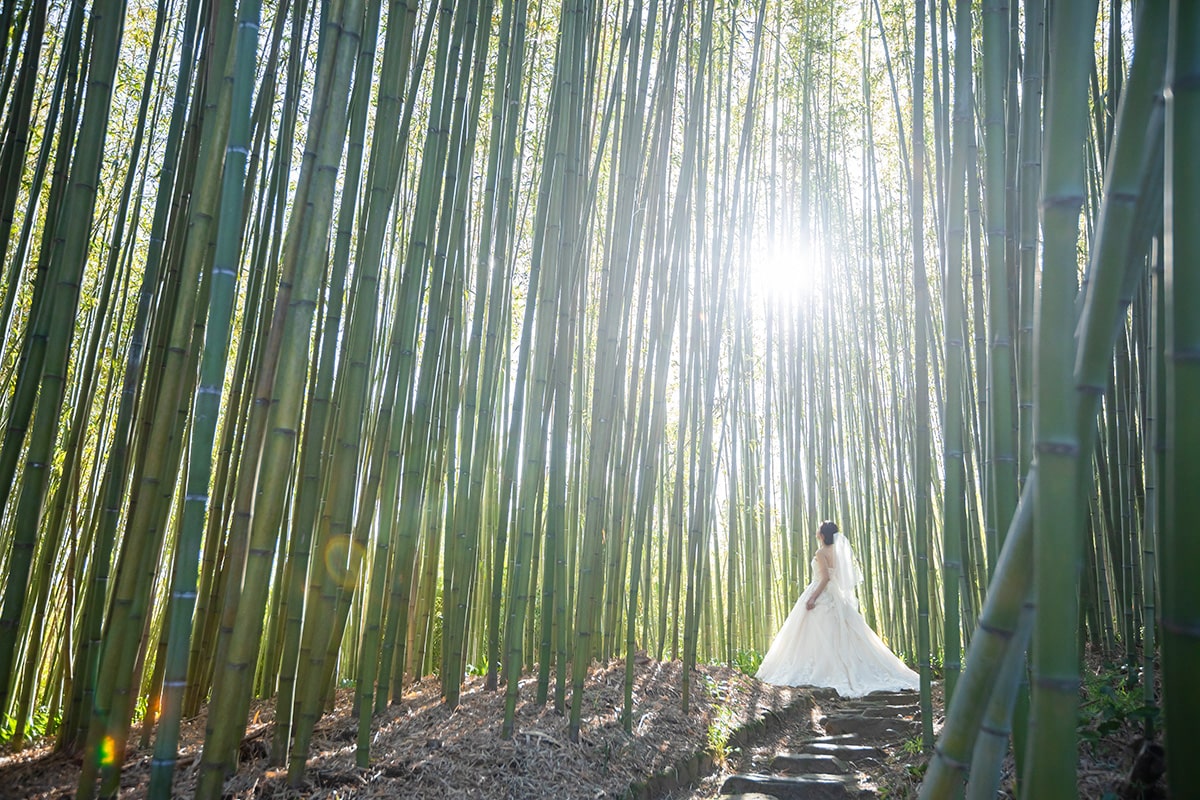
x=422 y=750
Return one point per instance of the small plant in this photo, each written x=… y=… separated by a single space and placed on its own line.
x=44 y=724
x=140 y=708
x=719 y=730
x=748 y=660
x=1109 y=703
x=937 y=666
x=40 y=725
x=911 y=746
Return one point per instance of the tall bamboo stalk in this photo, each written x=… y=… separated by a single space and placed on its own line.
x=1178 y=640
x=954 y=521
x=1058 y=525
x=275 y=425
x=223 y=283
x=921 y=470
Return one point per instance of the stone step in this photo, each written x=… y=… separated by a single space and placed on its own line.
x=850 y=753
x=798 y=787
x=885 y=728
x=809 y=764
x=880 y=709
x=837 y=738
x=747 y=796
x=891 y=697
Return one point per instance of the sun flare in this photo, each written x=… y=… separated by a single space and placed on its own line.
x=787 y=272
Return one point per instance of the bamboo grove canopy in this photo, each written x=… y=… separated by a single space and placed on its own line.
x=352 y=341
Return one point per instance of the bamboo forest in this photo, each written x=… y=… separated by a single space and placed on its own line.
x=350 y=345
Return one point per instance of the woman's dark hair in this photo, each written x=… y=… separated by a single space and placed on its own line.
x=828 y=531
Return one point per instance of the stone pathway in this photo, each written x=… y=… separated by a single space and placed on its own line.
x=858 y=735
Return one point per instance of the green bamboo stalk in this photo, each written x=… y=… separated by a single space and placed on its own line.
x=491 y=288
x=384 y=166
x=6 y=24
x=290 y=328
x=652 y=422
x=274 y=271
x=1155 y=421
x=318 y=438
x=588 y=624
x=1027 y=221
x=335 y=460
x=995 y=730
x=47 y=361
x=706 y=342
x=386 y=425
x=1001 y=430
x=532 y=399
x=981 y=415
x=1028 y=183
x=1058 y=525
x=537 y=410
x=16 y=139
x=336 y=538
x=1097 y=326
x=1178 y=636
x=87 y=656
x=261 y=239
x=100 y=330
x=921 y=466
x=263 y=242
x=462 y=540
x=154 y=477
x=1011 y=584
x=409 y=428
x=1129 y=215
x=20 y=408
x=497 y=239
x=954 y=520
x=223 y=285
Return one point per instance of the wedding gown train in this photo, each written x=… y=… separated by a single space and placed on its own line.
x=832 y=645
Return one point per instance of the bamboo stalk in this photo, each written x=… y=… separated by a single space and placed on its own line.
x=1178 y=636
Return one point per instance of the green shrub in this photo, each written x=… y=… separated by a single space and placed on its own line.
x=1108 y=704
x=748 y=660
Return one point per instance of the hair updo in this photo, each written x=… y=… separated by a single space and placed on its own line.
x=828 y=531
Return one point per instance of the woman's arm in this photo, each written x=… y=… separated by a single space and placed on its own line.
x=823 y=564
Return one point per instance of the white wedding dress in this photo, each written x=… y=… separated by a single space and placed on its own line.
x=832 y=645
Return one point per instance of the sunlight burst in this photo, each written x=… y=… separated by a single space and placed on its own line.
x=787 y=272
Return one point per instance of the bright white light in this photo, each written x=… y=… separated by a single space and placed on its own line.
x=787 y=272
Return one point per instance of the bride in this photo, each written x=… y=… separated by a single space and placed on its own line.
x=825 y=641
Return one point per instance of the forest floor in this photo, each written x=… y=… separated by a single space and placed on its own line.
x=420 y=749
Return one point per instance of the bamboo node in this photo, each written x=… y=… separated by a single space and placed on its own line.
x=954 y=763
x=995 y=631
x=1065 y=685
x=1057 y=448
x=999 y=733
x=1185 y=354
x=1063 y=202
x=1188 y=629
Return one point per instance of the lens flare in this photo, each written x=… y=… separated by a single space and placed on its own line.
x=342 y=557
x=107 y=753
